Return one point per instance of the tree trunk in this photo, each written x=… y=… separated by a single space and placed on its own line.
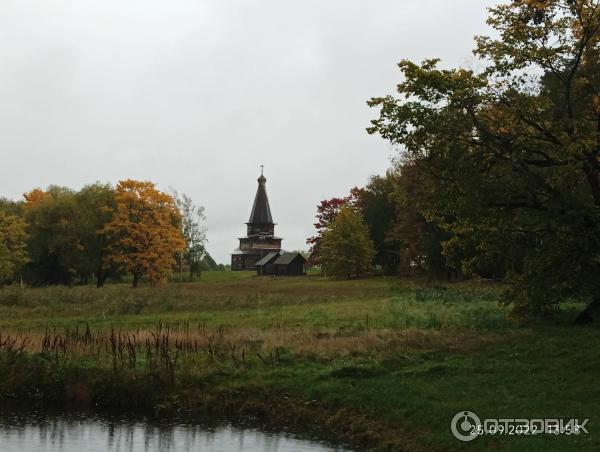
x=135 y=279
x=590 y=314
x=180 y=267
x=100 y=278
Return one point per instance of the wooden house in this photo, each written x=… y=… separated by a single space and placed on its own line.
x=281 y=264
x=290 y=264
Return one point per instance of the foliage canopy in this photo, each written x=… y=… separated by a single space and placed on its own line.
x=145 y=231
x=346 y=248
x=510 y=155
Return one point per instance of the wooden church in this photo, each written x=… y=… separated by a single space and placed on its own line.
x=260 y=242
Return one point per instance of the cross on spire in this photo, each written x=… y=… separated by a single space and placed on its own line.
x=262 y=167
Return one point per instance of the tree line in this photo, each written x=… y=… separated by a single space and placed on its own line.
x=498 y=172
x=63 y=236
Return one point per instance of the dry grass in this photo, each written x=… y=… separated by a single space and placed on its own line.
x=214 y=342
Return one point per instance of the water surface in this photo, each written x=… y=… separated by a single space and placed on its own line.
x=34 y=432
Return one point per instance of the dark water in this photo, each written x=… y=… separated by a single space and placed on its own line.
x=86 y=433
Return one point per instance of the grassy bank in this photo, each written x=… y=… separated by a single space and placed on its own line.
x=379 y=362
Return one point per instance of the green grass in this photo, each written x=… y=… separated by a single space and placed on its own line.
x=379 y=360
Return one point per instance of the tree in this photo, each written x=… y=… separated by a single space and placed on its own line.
x=53 y=243
x=145 y=231
x=11 y=207
x=345 y=247
x=94 y=207
x=194 y=233
x=327 y=211
x=379 y=208
x=418 y=240
x=208 y=263
x=66 y=243
x=514 y=150
x=13 y=246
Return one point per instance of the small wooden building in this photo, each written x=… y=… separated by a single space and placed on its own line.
x=290 y=264
x=282 y=264
x=266 y=266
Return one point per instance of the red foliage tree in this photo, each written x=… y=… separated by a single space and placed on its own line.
x=327 y=211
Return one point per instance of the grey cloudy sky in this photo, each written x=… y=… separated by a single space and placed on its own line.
x=195 y=95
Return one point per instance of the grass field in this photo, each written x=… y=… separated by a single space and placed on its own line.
x=378 y=362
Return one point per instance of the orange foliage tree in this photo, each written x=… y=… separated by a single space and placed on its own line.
x=145 y=231
x=32 y=197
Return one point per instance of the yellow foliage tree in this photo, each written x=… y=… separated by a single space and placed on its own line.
x=145 y=231
x=13 y=246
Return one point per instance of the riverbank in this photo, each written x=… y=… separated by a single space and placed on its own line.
x=377 y=363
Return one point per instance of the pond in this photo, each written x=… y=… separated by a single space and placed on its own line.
x=83 y=432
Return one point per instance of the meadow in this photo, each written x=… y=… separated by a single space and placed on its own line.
x=378 y=363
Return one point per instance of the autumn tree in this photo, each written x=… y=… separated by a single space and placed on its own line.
x=514 y=149
x=345 y=247
x=145 y=231
x=327 y=211
x=13 y=246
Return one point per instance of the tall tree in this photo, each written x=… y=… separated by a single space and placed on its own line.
x=95 y=205
x=194 y=232
x=379 y=208
x=345 y=248
x=53 y=243
x=66 y=242
x=327 y=211
x=514 y=150
x=208 y=263
x=145 y=231
x=418 y=239
x=13 y=246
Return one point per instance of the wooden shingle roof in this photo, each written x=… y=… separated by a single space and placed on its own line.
x=286 y=258
x=261 y=212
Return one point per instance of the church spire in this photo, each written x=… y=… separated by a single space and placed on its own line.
x=261 y=212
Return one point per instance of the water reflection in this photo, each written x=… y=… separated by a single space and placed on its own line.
x=84 y=433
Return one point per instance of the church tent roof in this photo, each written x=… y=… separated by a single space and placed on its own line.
x=261 y=212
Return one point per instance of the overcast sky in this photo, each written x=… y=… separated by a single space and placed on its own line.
x=195 y=95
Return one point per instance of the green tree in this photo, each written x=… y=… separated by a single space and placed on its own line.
x=13 y=246
x=66 y=242
x=346 y=248
x=514 y=149
x=378 y=208
x=419 y=240
x=193 y=231
x=94 y=207
x=53 y=243
x=11 y=207
x=208 y=263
